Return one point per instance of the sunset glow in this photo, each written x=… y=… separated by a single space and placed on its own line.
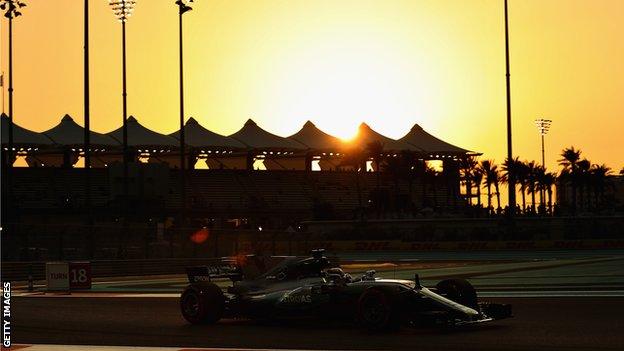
x=339 y=63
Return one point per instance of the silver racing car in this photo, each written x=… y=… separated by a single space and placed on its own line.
x=315 y=287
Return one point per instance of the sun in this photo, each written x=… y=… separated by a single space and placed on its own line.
x=338 y=83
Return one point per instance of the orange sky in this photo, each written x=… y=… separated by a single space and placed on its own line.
x=390 y=63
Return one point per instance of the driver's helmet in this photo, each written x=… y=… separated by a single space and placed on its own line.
x=337 y=275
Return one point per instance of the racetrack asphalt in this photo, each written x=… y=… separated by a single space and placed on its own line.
x=579 y=323
x=569 y=317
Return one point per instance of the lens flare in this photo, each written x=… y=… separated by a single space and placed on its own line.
x=240 y=259
x=200 y=236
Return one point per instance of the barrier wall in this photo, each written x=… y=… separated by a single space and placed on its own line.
x=80 y=242
x=19 y=271
x=281 y=247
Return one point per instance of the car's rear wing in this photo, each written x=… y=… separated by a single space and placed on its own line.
x=243 y=266
x=222 y=270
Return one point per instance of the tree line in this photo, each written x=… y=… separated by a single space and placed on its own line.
x=588 y=182
x=587 y=185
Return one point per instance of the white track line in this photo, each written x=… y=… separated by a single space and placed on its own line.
x=481 y=293
x=130 y=348
x=99 y=295
x=535 y=293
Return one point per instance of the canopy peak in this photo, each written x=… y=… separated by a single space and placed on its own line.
x=416 y=127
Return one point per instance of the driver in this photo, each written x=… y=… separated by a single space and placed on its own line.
x=337 y=276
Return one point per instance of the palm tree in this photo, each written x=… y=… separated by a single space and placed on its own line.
x=521 y=173
x=599 y=174
x=548 y=181
x=511 y=167
x=490 y=170
x=531 y=181
x=540 y=173
x=467 y=166
x=583 y=168
x=477 y=178
x=569 y=160
x=496 y=180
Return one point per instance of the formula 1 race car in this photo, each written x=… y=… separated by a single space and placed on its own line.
x=303 y=287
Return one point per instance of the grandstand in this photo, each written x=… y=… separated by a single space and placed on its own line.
x=309 y=175
x=231 y=193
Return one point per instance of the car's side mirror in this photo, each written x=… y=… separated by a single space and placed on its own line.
x=278 y=276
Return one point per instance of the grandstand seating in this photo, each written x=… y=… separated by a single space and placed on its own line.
x=225 y=191
x=46 y=188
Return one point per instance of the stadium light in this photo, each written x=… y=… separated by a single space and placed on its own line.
x=183 y=7
x=122 y=9
x=543 y=126
x=11 y=9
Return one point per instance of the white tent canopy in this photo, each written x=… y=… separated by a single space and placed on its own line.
x=367 y=135
x=197 y=136
x=314 y=138
x=69 y=133
x=259 y=139
x=23 y=137
x=426 y=142
x=140 y=136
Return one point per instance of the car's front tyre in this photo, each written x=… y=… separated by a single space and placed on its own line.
x=460 y=291
x=376 y=310
x=202 y=303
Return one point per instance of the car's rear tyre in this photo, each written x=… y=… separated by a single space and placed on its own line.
x=376 y=310
x=460 y=291
x=202 y=303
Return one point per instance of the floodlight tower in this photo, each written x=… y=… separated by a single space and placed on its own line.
x=122 y=9
x=183 y=7
x=512 y=172
x=87 y=120
x=11 y=9
x=543 y=126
